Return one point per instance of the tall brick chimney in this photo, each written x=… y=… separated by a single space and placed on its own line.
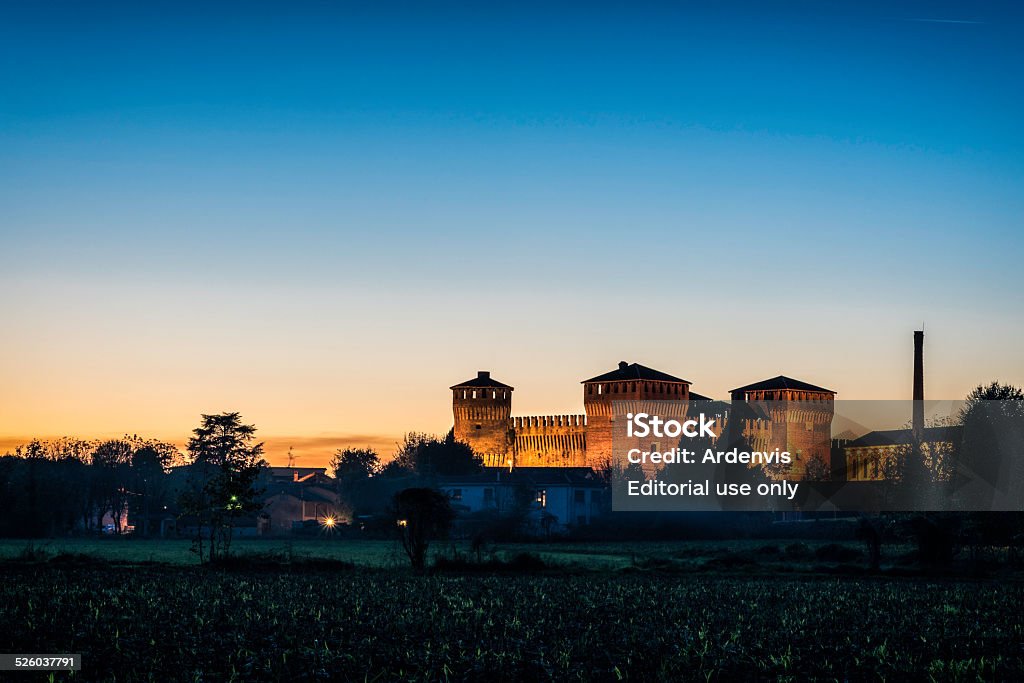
x=917 y=425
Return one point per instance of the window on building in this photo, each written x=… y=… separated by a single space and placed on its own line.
x=541 y=497
x=478 y=426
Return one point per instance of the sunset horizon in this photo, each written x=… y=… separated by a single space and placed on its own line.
x=316 y=448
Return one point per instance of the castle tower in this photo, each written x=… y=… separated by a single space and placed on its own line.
x=633 y=383
x=800 y=414
x=482 y=407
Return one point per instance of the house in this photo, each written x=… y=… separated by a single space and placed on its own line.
x=571 y=496
x=300 y=475
x=871 y=456
x=292 y=504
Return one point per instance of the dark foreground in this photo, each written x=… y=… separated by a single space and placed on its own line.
x=157 y=623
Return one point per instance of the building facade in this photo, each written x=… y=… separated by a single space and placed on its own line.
x=571 y=496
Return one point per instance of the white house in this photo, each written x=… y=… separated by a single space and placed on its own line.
x=571 y=495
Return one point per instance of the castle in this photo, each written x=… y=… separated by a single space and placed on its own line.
x=776 y=413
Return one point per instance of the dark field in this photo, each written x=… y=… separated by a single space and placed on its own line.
x=167 y=623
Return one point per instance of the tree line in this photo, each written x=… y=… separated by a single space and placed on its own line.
x=67 y=485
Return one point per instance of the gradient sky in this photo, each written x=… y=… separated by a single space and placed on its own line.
x=323 y=214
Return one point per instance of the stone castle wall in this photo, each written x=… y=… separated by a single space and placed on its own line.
x=550 y=440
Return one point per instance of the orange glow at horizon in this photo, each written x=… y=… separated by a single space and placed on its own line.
x=382 y=365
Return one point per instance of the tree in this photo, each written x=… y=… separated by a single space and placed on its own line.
x=817 y=469
x=111 y=463
x=68 y=494
x=352 y=469
x=149 y=480
x=982 y=393
x=421 y=515
x=632 y=471
x=226 y=464
x=405 y=459
x=989 y=472
x=355 y=464
x=870 y=531
x=428 y=455
x=907 y=479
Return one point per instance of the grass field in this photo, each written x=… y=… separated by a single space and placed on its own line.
x=142 y=610
x=378 y=553
x=165 y=623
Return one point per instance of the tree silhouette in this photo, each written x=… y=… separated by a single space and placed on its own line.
x=149 y=481
x=817 y=469
x=352 y=469
x=421 y=515
x=990 y=463
x=428 y=456
x=222 y=476
x=111 y=463
x=354 y=464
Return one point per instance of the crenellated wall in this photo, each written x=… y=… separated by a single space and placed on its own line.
x=550 y=440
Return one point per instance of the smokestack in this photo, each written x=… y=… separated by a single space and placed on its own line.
x=917 y=425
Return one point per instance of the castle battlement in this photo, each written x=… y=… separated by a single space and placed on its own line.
x=550 y=440
x=531 y=422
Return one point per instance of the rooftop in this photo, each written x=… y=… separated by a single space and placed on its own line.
x=895 y=437
x=781 y=383
x=482 y=380
x=634 y=371
x=307 y=493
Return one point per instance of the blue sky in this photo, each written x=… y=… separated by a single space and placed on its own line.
x=436 y=187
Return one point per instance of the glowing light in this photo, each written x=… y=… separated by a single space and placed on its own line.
x=403 y=522
x=329 y=521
